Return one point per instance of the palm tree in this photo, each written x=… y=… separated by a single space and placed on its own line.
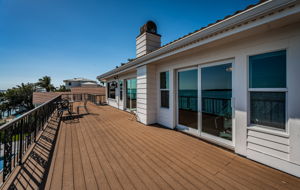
x=45 y=82
x=25 y=93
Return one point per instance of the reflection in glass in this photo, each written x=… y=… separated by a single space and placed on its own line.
x=268 y=70
x=188 y=98
x=268 y=108
x=131 y=94
x=164 y=80
x=216 y=92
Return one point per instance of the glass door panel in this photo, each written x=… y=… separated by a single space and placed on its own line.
x=216 y=93
x=131 y=94
x=188 y=98
x=127 y=94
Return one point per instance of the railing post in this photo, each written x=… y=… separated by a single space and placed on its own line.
x=21 y=142
x=36 y=123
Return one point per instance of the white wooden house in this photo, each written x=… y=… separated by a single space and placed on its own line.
x=235 y=83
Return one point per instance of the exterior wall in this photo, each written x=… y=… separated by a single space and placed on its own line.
x=146 y=94
x=73 y=84
x=76 y=84
x=274 y=148
x=142 y=94
x=166 y=116
x=117 y=103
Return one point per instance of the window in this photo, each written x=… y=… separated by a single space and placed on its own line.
x=267 y=88
x=164 y=89
x=121 y=89
x=111 y=87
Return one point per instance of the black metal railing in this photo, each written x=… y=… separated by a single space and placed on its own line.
x=188 y=103
x=74 y=97
x=17 y=135
x=94 y=98
x=217 y=106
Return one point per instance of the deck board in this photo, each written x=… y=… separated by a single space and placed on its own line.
x=107 y=150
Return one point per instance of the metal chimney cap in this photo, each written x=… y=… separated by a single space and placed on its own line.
x=149 y=27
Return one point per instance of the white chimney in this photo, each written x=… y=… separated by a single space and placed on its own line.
x=148 y=40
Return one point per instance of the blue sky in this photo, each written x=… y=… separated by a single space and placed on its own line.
x=84 y=38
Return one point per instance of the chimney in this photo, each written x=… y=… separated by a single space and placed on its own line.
x=148 y=40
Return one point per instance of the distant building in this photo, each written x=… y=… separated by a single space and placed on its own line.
x=79 y=82
x=40 y=89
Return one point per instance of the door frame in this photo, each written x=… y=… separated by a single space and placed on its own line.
x=208 y=136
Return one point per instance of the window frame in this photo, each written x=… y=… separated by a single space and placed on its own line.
x=249 y=90
x=164 y=89
x=108 y=90
x=121 y=90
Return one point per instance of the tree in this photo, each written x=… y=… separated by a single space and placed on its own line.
x=45 y=82
x=20 y=96
x=62 y=88
x=26 y=94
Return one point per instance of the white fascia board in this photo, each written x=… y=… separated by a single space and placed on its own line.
x=237 y=19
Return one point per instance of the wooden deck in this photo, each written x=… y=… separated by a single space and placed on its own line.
x=108 y=150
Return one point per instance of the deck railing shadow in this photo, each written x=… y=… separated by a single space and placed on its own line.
x=33 y=172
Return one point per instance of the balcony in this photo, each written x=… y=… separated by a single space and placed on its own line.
x=108 y=149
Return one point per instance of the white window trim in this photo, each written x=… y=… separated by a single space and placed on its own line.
x=267 y=89
x=265 y=128
x=164 y=89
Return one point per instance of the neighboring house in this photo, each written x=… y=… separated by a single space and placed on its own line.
x=234 y=83
x=76 y=85
x=89 y=84
x=78 y=82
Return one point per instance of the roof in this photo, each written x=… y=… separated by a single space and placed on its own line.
x=277 y=3
x=88 y=83
x=79 y=79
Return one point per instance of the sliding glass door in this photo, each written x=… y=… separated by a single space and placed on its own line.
x=188 y=98
x=204 y=96
x=131 y=94
x=216 y=94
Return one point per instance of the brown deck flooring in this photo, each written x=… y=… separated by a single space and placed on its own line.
x=107 y=150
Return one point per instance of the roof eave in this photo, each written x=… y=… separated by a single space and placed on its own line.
x=229 y=22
